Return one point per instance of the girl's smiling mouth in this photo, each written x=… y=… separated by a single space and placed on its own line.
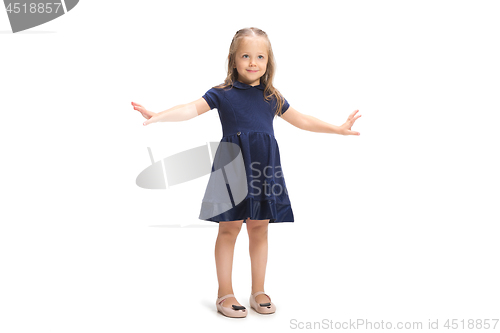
x=252 y=71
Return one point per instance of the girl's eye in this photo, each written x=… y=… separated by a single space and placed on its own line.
x=246 y=55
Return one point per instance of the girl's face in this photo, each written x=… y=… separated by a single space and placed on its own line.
x=251 y=60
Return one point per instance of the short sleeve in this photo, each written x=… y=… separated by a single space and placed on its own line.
x=285 y=106
x=213 y=98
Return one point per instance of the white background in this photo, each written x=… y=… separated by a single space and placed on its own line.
x=400 y=223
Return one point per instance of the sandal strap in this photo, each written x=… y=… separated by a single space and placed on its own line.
x=222 y=298
x=261 y=292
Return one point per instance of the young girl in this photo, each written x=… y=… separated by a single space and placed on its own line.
x=247 y=103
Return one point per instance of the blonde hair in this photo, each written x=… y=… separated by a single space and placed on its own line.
x=267 y=79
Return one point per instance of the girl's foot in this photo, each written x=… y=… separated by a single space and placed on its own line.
x=228 y=302
x=230 y=310
x=260 y=304
x=261 y=298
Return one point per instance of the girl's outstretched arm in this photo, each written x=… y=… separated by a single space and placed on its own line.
x=310 y=123
x=177 y=113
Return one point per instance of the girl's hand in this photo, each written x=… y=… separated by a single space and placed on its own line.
x=345 y=129
x=145 y=113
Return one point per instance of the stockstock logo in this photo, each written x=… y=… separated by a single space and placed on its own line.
x=24 y=15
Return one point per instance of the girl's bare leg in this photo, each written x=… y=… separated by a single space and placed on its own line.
x=257 y=237
x=224 y=251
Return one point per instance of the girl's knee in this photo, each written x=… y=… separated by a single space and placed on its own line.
x=257 y=226
x=230 y=227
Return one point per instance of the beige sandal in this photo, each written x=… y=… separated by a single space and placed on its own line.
x=236 y=311
x=263 y=308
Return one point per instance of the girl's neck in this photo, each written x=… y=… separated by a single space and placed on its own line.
x=253 y=84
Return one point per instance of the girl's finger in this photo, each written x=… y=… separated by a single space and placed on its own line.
x=149 y=121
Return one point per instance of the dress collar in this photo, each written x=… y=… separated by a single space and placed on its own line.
x=242 y=85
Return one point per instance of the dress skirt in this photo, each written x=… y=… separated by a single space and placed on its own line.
x=247 y=181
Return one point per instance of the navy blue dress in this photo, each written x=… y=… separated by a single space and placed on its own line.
x=247 y=180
